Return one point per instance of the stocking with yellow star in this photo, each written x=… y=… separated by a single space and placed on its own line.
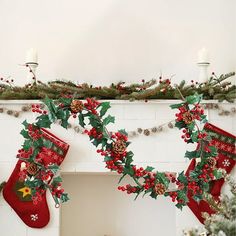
x=30 y=205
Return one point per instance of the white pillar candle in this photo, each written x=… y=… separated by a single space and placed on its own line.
x=203 y=56
x=31 y=56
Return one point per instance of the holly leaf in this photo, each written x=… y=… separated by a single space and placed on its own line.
x=94 y=121
x=57 y=180
x=96 y=142
x=182 y=195
x=153 y=195
x=182 y=178
x=25 y=123
x=81 y=119
x=51 y=106
x=197 y=197
x=128 y=170
x=194 y=136
x=64 y=197
x=104 y=107
x=64 y=123
x=129 y=158
x=161 y=177
x=104 y=143
x=61 y=114
x=122 y=131
x=203 y=118
x=54 y=168
x=174 y=106
x=149 y=168
x=65 y=101
x=179 y=206
x=27 y=144
x=180 y=124
x=191 y=155
x=108 y=158
x=214 y=151
x=191 y=126
x=192 y=99
x=109 y=119
x=217 y=173
x=38 y=143
x=194 y=175
x=43 y=121
x=24 y=133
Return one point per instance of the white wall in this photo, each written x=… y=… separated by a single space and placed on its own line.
x=111 y=40
x=98 y=209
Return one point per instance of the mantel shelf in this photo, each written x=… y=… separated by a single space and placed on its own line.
x=125 y=102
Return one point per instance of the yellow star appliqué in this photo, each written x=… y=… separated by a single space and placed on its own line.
x=26 y=191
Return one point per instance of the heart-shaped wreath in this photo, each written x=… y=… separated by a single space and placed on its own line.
x=114 y=148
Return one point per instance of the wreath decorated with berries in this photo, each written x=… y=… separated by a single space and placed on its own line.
x=113 y=147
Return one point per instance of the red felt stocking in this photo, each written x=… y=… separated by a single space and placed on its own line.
x=225 y=143
x=19 y=196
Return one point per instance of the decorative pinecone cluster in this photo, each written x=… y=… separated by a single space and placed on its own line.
x=119 y=147
x=160 y=189
x=32 y=169
x=76 y=106
x=212 y=162
x=187 y=117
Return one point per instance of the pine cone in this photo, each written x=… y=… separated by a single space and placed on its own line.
x=119 y=147
x=32 y=169
x=170 y=125
x=212 y=162
x=146 y=132
x=160 y=189
x=76 y=106
x=187 y=117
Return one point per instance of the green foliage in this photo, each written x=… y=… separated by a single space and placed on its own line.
x=109 y=119
x=54 y=168
x=191 y=155
x=104 y=107
x=114 y=147
x=214 y=88
x=81 y=120
x=129 y=158
x=193 y=99
x=43 y=121
x=182 y=178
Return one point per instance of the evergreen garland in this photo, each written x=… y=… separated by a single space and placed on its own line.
x=215 y=88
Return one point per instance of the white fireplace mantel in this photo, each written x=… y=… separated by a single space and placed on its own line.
x=164 y=151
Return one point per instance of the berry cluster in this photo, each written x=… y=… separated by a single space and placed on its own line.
x=188 y=116
x=91 y=105
x=197 y=111
x=24 y=154
x=34 y=132
x=128 y=188
x=194 y=188
x=149 y=181
x=139 y=172
x=186 y=135
x=37 y=109
x=94 y=133
x=116 y=153
x=56 y=190
x=207 y=173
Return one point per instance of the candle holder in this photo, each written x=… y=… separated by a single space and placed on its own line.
x=31 y=76
x=203 y=71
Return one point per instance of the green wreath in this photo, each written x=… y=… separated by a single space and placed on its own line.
x=114 y=149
